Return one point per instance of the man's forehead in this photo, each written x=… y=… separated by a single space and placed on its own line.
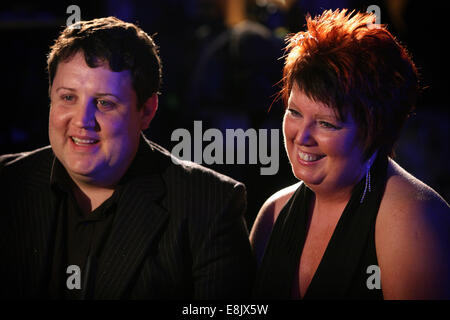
x=80 y=58
x=74 y=74
x=76 y=67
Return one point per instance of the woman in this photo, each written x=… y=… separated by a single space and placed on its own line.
x=357 y=225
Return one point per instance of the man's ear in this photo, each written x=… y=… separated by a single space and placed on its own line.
x=148 y=111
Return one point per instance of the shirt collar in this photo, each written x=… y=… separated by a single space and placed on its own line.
x=60 y=181
x=59 y=178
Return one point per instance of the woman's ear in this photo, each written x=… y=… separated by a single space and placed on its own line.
x=148 y=111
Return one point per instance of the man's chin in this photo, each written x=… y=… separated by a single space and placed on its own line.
x=84 y=176
x=84 y=173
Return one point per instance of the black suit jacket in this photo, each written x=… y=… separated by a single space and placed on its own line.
x=178 y=232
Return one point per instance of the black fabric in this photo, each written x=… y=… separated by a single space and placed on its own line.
x=178 y=231
x=78 y=235
x=341 y=273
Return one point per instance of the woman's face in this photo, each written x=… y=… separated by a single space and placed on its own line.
x=324 y=152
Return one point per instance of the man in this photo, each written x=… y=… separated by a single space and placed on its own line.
x=103 y=213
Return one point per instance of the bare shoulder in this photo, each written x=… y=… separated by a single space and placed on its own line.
x=412 y=238
x=406 y=197
x=267 y=215
x=272 y=207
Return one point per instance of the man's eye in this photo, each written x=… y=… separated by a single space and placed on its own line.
x=105 y=104
x=68 y=98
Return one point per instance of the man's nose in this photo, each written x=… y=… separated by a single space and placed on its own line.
x=85 y=114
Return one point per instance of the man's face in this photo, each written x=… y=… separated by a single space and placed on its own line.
x=94 y=124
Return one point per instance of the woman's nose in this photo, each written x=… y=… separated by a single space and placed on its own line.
x=305 y=135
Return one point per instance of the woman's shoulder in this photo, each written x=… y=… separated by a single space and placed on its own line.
x=412 y=237
x=267 y=215
x=277 y=201
x=272 y=206
x=409 y=203
x=404 y=191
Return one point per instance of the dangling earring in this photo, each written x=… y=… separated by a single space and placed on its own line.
x=368 y=166
x=367 y=182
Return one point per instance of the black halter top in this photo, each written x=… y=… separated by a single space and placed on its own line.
x=343 y=271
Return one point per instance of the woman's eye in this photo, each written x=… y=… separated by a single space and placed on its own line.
x=328 y=125
x=294 y=112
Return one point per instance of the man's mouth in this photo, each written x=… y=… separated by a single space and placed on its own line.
x=84 y=142
x=309 y=157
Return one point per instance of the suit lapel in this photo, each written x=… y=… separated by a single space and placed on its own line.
x=36 y=218
x=139 y=219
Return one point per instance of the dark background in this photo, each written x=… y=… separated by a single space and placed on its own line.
x=224 y=72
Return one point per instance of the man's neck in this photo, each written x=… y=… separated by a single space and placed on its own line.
x=90 y=198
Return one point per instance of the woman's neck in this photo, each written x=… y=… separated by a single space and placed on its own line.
x=330 y=204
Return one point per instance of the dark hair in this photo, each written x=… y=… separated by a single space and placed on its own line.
x=355 y=67
x=124 y=46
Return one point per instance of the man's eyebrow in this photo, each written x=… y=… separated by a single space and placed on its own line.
x=98 y=94
x=66 y=88
x=102 y=94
